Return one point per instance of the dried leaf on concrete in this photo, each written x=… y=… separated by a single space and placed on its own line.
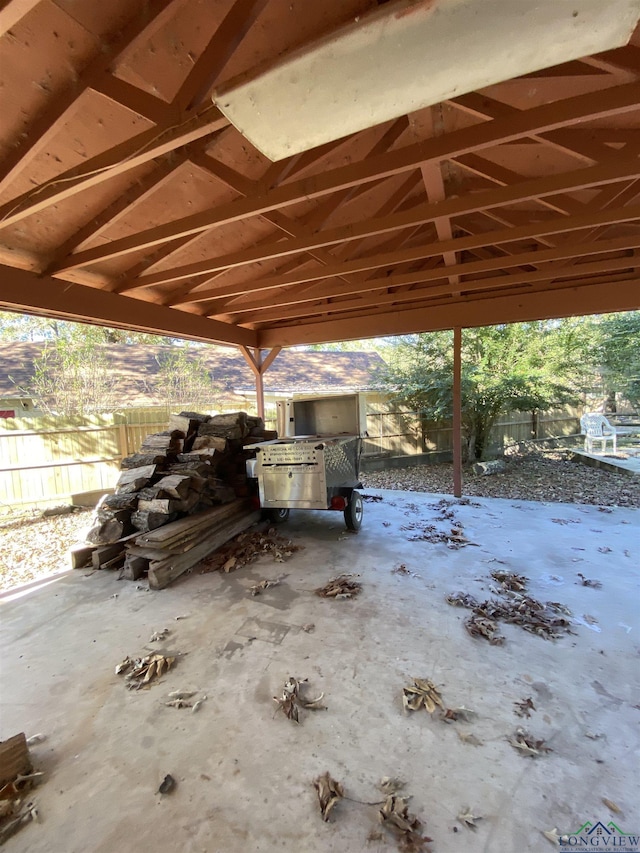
x=461 y=599
x=329 y=793
x=182 y=694
x=524 y=707
x=453 y=715
x=140 y=671
x=615 y=808
x=178 y=703
x=527 y=744
x=480 y=626
x=157 y=636
x=470 y=738
x=594 y=584
x=407 y=828
x=421 y=694
x=391 y=784
x=309 y=627
x=552 y=836
x=292 y=698
x=267 y=583
x=467 y=818
x=340 y=587
x=510 y=581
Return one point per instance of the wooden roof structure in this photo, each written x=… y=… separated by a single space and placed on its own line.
x=127 y=199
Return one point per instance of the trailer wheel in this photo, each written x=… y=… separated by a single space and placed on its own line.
x=353 y=511
x=277 y=516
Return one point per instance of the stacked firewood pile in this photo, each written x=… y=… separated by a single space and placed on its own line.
x=181 y=492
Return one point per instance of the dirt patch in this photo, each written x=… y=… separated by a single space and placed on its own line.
x=533 y=476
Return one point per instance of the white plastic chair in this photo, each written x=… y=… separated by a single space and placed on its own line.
x=596 y=427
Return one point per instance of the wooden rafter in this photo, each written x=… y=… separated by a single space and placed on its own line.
x=614 y=101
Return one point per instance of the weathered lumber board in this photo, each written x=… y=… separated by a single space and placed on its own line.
x=14 y=758
x=162 y=573
x=134 y=567
x=170 y=533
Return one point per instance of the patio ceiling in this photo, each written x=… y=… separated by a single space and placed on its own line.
x=127 y=198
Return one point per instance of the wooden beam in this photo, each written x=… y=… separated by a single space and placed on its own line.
x=617 y=169
x=127 y=155
x=373 y=296
x=24 y=291
x=566 y=302
x=13 y=11
x=221 y=47
x=45 y=123
x=457 y=412
x=433 y=250
x=137 y=100
x=594 y=105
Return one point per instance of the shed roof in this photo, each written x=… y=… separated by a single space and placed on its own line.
x=127 y=198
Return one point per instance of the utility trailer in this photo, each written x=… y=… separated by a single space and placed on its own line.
x=315 y=463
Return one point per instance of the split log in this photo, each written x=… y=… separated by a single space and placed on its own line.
x=166 y=506
x=175 y=485
x=14 y=758
x=145 y=521
x=138 y=460
x=197 y=457
x=115 y=503
x=195 y=416
x=190 y=469
x=108 y=532
x=134 y=479
x=213 y=442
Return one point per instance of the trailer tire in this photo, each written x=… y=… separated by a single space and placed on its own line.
x=277 y=516
x=353 y=511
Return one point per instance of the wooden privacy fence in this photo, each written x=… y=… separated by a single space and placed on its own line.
x=44 y=461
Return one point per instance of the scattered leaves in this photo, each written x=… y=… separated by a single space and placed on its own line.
x=614 y=807
x=309 y=627
x=140 y=671
x=594 y=735
x=292 y=699
x=524 y=707
x=249 y=547
x=594 y=584
x=523 y=741
x=461 y=599
x=604 y=549
x=391 y=784
x=396 y=818
x=467 y=818
x=480 y=626
x=510 y=581
x=422 y=693
x=329 y=793
x=372 y=498
x=267 y=583
x=340 y=587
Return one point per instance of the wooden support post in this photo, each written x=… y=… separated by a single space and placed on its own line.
x=259 y=368
x=457 y=412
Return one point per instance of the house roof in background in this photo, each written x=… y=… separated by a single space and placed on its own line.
x=137 y=368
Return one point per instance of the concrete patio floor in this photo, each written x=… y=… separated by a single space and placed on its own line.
x=244 y=774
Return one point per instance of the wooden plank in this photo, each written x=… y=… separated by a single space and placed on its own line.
x=134 y=567
x=81 y=556
x=14 y=758
x=161 y=574
x=171 y=532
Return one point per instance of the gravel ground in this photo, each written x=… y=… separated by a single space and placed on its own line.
x=33 y=548
x=535 y=476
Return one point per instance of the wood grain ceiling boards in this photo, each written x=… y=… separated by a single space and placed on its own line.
x=127 y=199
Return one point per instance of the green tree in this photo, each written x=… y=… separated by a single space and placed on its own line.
x=27 y=327
x=520 y=367
x=183 y=379
x=73 y=378
x=619 y=355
